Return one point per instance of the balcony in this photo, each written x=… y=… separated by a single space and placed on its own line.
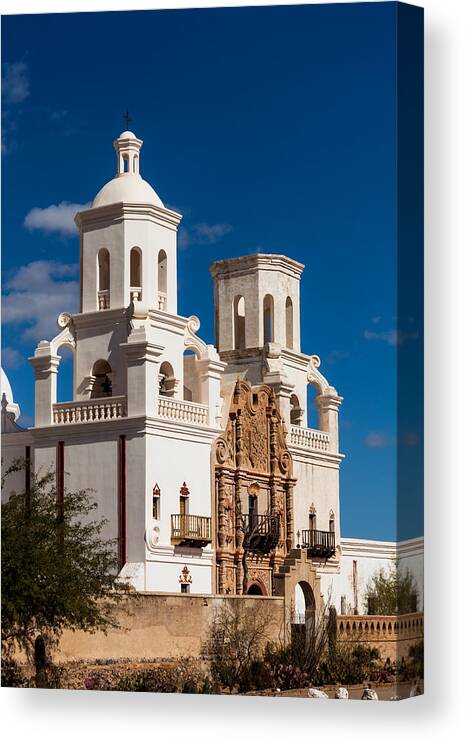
x=182 y=411
x=312 y=440
x=89 y=410
x=190 y=530
x=261 y=532
x=319 y=544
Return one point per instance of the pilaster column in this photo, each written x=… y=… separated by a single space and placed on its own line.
x=45 y=364
x=142 y=364
x=328 y=405
x=210 y=371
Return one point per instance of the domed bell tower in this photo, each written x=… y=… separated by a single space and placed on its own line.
x=128 y=241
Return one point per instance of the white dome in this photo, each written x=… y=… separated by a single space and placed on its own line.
x=7 y=391
x=127 y=135
x=128 y=188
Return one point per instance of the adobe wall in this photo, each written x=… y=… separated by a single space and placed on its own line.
x=162 y=625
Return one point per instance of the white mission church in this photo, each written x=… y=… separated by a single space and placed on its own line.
x=200 y=455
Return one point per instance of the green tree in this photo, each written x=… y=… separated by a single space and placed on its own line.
x=391 y=593
x=58 y=572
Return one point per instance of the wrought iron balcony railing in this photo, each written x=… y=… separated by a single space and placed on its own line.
x=261 y=532
x=320 y=544
x=189 y=529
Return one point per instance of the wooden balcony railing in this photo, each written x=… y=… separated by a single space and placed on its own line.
x=261 y=532
x=189 y=529
x=319 y=544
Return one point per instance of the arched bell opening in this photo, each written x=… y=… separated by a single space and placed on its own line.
x=162 y=280
x=166 y=380
x=268 y=319
x=296 y=410
x=289 y=323
x=135 y=289
x=102 y=380
x=103 y=279
x=239 y=323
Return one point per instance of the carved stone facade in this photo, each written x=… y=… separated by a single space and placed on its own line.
x=252 y=465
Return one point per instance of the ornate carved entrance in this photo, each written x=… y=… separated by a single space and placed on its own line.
x=253 y=491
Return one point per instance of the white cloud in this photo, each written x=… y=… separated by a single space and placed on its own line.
x=36 y=294
x=15 y=84
x=337 y=355
x=55 y=218
x=376 y=440
x=202 y=234
x=391 y=337
x=11 y=358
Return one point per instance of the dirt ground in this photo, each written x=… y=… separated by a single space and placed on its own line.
x=385 y=691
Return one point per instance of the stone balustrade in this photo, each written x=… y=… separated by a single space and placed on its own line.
x=161 y=301
x=380 y=628
x=91 y=410
x=182 y=411
x=313 y=440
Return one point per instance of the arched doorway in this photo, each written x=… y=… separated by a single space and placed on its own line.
x=305 y=610
x=256 y=588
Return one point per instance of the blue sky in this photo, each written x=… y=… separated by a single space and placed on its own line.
x=270 y=129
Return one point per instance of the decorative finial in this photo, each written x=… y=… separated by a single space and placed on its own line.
x=127 y=119
x=4 y=401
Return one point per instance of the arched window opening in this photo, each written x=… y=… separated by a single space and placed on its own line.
x=166 y=380
x=296 y=410
x=102 y=386
x=103 y=290
x=162 y=280
x=192 y=384
x=136 y=274
x=156 y=492
x=125 y=164
x=268 y=319
x=239 y=323
x=289 y=323
x=135 y=164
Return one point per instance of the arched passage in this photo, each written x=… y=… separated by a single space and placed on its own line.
x=296 y=410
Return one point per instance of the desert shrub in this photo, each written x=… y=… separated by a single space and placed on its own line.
x=12 y=674
x=416 y=660
x=348 y=664
x=175 y=679
x=235 y=646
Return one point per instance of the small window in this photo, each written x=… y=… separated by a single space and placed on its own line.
x=185 y=588
x=156 y=502
x=312 y=521
x=331 y=523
